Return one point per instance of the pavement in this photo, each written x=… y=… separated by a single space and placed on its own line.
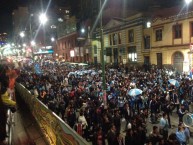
x=26 y=131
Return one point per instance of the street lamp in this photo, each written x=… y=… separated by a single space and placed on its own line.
x=33 y=43
x=148 y=24
x=82 y=30
x=52 y=39
x=22 y=34
x=188 y=1
x=43 y=18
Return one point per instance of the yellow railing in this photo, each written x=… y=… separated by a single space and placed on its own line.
x=56 y=131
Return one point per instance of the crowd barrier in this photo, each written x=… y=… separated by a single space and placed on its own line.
x=56 y=131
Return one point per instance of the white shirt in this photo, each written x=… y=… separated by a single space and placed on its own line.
x=82 y=119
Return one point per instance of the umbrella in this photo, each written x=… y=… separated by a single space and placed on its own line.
x=174 y=82
x=135 y=92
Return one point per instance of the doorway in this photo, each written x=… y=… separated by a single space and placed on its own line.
x=178 y=60
x=159 y=60
x=116 y=56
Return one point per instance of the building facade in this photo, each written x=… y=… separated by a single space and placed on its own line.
x=123 y=41
x=71 y=49
x=171 y=37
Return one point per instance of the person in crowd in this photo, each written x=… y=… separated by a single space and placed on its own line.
x=130 y=138
x=71 y=117
x=153 y=109
x=181 y=113
x=111 y=135
x=167 y=110
x=187 y=133
x=119 y=139
x=155 y=136
x=127 y=114
x=164 y=126
x=172 y=140
x=117 y=121
x=99 y=137
x=175 y=100
x=62 y=108
x=181 y=135
x=82 y=120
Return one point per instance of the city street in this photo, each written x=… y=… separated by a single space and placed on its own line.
x=81 y=65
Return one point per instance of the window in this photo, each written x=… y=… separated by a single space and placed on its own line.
x=177 y=30
x=131 y=35
x=119 y=38
x=115 y=39
x=158 y=35
x=110 y=39
x=147 y=42
x=132 y=54
x=108 y=51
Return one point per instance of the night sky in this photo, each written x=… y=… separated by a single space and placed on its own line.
x=7 y=6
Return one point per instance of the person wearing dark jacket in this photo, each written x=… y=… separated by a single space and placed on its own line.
x=99 y=138
x=119 y=140
x=111 y=135
x=71 y=117
x=155 y=137
x=127 y=114
x=130 y=138
x=117 y=121
x=181 y=113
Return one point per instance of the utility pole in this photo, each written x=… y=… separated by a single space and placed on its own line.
x=30 y=27
x=102 y=57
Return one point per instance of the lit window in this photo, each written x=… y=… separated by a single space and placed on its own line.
x=132 y=54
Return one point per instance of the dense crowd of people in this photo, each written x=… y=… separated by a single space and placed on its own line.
x=75 y=93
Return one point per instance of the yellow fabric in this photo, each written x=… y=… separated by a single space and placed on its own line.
x=6 y=100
